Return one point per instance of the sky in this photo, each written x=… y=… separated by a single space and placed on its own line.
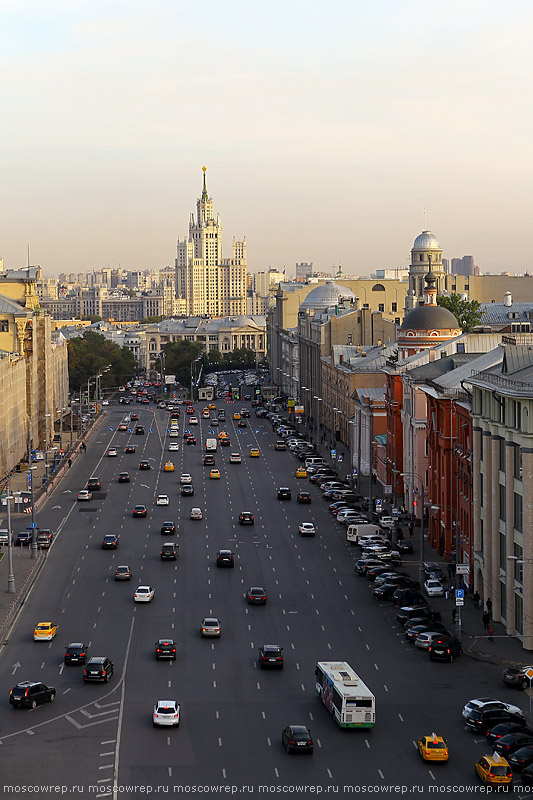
x=333 y=133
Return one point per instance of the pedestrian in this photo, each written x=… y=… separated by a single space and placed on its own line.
x=411 y=528
x=446 y=592
x=489 y=607
x=476 y=598
x=490 y=632
x=454 y=614
x=69 y=463
x=486 y=619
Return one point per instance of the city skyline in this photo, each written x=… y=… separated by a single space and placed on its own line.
x=332 y=139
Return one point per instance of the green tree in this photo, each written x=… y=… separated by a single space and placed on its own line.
x=468 y=313
x=178 y=359
x=91 y=353
x=151 y=320
x=92 y=318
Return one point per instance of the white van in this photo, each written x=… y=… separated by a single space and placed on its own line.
x=363 y=529
x=314 y=461
x=211 y=445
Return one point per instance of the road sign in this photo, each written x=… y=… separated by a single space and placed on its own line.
x=32 y=525
x=462 y=569
x=459 y=594
x=529 y=673
x=355 y=472
x=340 y=457
x=378 y=502
x=111 y=428
x=333 y=453
x=459 y=602
x=394 y=513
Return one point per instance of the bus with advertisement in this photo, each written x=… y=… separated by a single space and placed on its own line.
x=344 y=694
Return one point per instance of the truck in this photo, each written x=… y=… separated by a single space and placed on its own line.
x=363 y=529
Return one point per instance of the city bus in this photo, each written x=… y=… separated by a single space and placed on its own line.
x=344 y=694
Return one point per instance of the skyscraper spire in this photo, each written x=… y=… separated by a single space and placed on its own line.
x=204 y=192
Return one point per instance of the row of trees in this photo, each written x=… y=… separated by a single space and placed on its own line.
x=180 y=355
x=92 y=352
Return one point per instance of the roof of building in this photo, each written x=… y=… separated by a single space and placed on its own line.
x=429 y=317
x=500 y=314
x=426 y=241
x=9 y=306
x=326 y=296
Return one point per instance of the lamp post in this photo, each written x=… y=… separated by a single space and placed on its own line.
x=421 y=570
x=33 y=547
x=10 y=576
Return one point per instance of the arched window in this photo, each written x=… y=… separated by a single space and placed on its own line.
x=378 y=287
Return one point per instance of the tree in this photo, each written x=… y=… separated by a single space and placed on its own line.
x=178 y=359
x=468 y=313
x=92 y=352
x=151 y=320
x=92 y=318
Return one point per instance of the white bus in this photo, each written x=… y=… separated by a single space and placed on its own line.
x=211 y=445
x=342 y=691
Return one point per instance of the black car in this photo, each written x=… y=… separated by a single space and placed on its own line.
x=144 y=464
x=407 y=595
x=373 y=572
x=523 y=757
x=256 y=595
x=511 y=742
x=280 y=445
x=187 y=490
x=209 y=460
x=411 y=612
x=165 y=648
x=130 y=448
x=363 y=564
x=271 y=655
x=297 y=738
x=168 y=527
x=140 y=511
x=303 y=497
x=284 y=493
x=98 y=668
x=24 y=538
x=139 y=430
x=503 y=728
x=124 y=477
x=190 y=440
x=480 y=721
x=246 y=518
x=225 y=558
x=527 y=775
x=29 y=694
x=516 y=677
x=445 y=648
x=93 y=484
x=412 y=631
x=76 y=653
x=403 y=546
x=110 y=541
x=385 y=591
x=169 y=551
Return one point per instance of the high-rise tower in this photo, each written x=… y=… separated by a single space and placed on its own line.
x=210 y=284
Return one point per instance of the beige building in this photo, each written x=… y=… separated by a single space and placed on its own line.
x=210 y=284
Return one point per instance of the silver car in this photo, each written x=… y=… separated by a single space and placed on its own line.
x=210 y=626
x=166 y=712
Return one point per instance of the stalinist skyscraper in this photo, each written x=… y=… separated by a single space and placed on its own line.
x=210 y=284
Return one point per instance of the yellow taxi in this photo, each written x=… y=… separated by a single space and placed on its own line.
x=254 y=452
x=212 y=407
x=222 y=435
x=205 y=413
x=214 y=474
x=433 y=748
x=169 y=466
x=494 y=770
x=236 y=415
x=44 y=631
x=301 y=472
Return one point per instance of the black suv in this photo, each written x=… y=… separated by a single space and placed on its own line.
x=284 y=493
x=169 y=551
x=303 y=497
x=225 y=558
x=168 y=527
x=29 y=694
x=516 y=677
x=110 y=541
x=271 y=655
x=144 y=464
x=139 y=430
x=76 y=653
x=446 y=648
x=209 y=460
x=246 y=518
x=98 y=668
x=165 y=648
x=93 y=484
x=481 y=721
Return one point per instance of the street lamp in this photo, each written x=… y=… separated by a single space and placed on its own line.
x=11 y=575
x=33 y=548
x=421 y=569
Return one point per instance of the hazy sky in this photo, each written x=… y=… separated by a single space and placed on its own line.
x=327 y=129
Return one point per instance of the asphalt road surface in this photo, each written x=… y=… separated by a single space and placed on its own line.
x=232 y=713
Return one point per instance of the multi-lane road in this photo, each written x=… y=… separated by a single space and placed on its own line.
x=232 y=712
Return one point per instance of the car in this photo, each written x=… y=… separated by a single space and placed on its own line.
x=210 y=626
x=187 y=490
x=30 y=694
x=404 y=546
x=209 y=460
x=173 y=447
x=105 y=402
x=434 y=571
x=486 y=703
x=44 y=539
x=123 y=573
x=93 y=484
x=433 y=588
x=144 y=464
x=246 y=518
x=196 y=513
x=162 y=500
x=75 y=653
x=280 y=445
x=303 y=497
x=214 y=474
x=166 y=713
x=134 y=417
x=411 y=612
x=482 y=721
x=427 y=638
x=193 y=420
x=235 y=458
x=284 y=493
x=225 y=558
x=84 y=495
x=384 y=591
x=112 y=452
x=513 y=741
x=168 y=527
x=130 y=448
x=169 y=466
x=236 y=416
x=225 y=441
x=254 y=452
x=521 y=758
x=516 y=677
x=190 y=440
x=169 y=551
x=122 y=427
x=502 y=729
x=44 y=631
x=185 y=478
x=124 y=477
x=256 y=595
x=140 y=511
x=297 y=738
x=143 y=594
x=242 y=423
x=110 y=541
x=165 y=648
x=139 y=430
x=271 y=656
x=494 y=770
x=306 y=529
x=99 y=669
x=433 y=748
x=301 y=472
x=413 y=631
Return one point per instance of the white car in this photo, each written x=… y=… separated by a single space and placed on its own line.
x=144 y=594
x=186 y=478
x=235 y=458
x=162 y=500
x=173 y=447
x=112 y=451
x=433 y=588
x=193 y=420
x=306 y=529
x=484 y=703
x=196 y=513
x=423 y=640
x=85 y=494
x=105 y=402
x=166 y=712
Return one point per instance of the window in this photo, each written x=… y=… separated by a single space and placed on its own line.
x=517 y=459
x=461 y=347
x=481 y=489
x=394 y=307
x=502 y=502
x=378 y=287
x=517 y=511
x=518 y=614
x=4 y=326
x=518 y=568
x=503 y=556
x=381 y=307
x=502 y=455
